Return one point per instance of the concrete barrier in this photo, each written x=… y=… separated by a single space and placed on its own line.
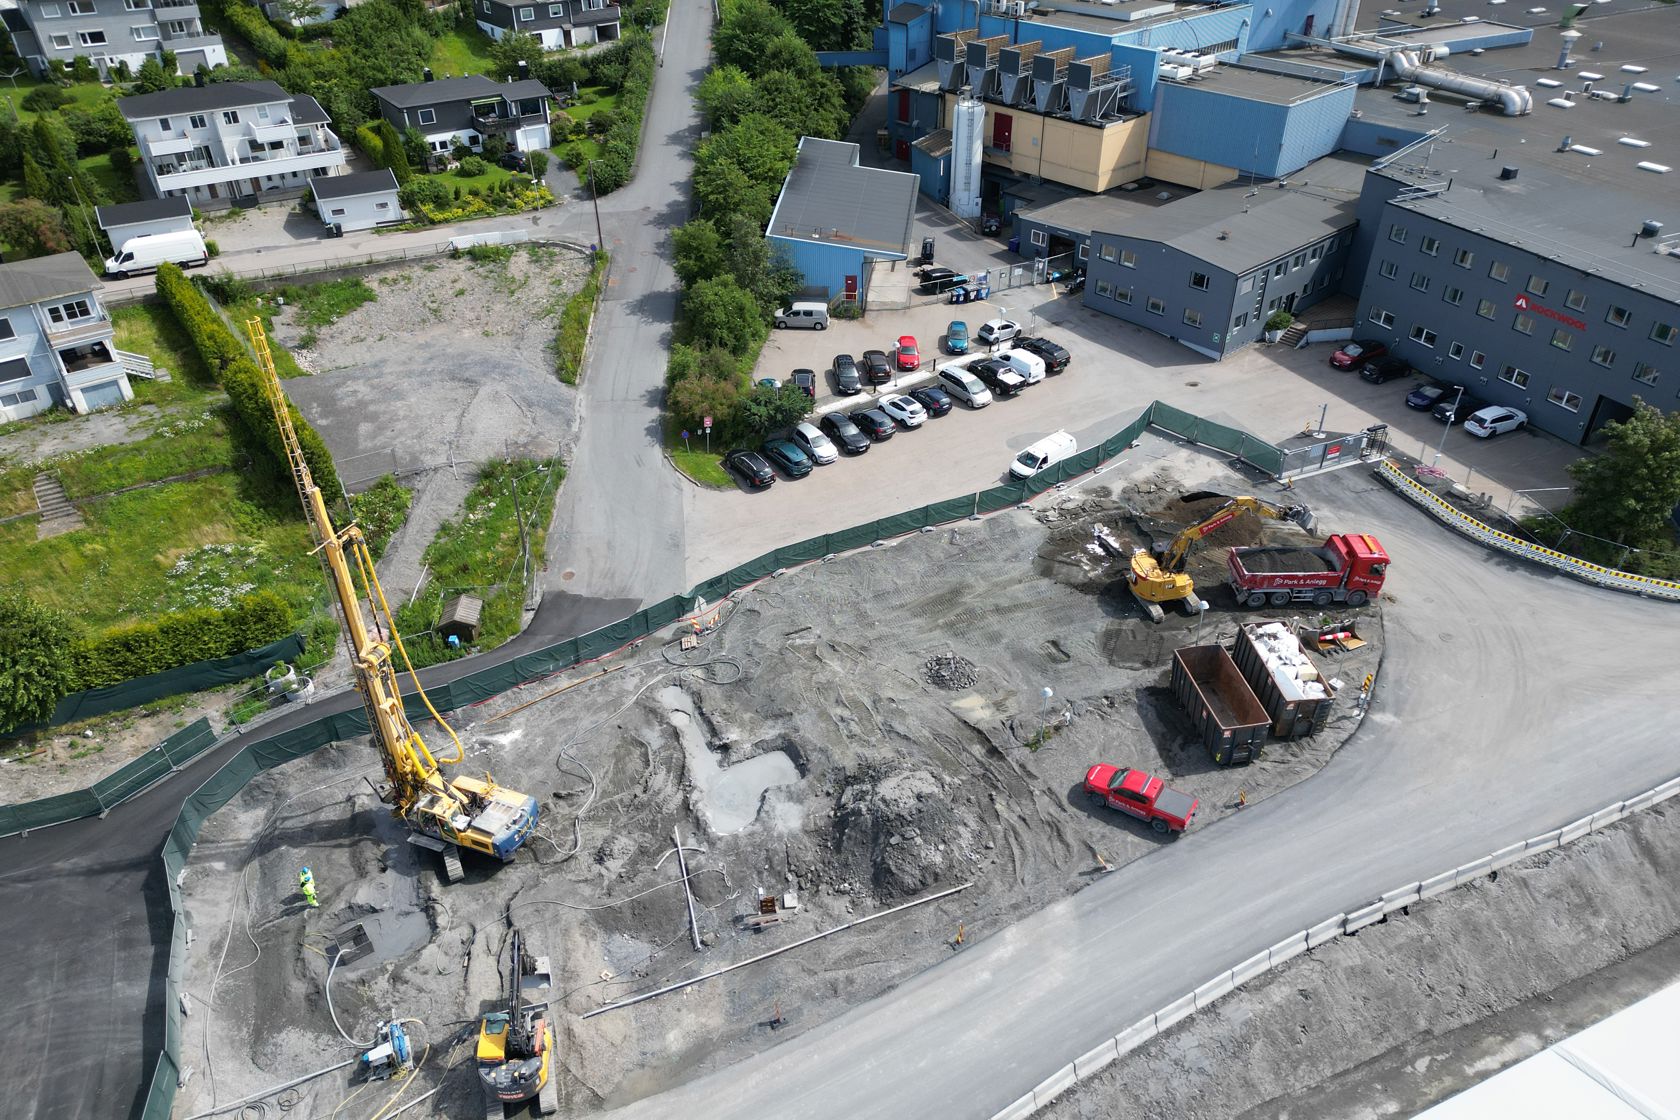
x=1287 y=949
x=1438 y=884
x=1665 y=791
x=1575 y=830
x=1054 y=1085
x=1255 y=965
x=1135 y=1035
x=1508 y=855
x=1636 y=804
x=1543 y=843
x=1325 y=931
x=1474 y=870
x=1086 y=1065
x=1220 y=985
x=1019 y=1110
x=1400 y=899
x=1362 y=917
x=1174 y=1012
x=1608 y=816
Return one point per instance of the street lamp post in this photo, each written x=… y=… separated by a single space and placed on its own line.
x=594 y=196
x=1443 y=444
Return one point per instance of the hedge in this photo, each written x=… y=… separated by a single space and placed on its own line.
x=230 y=363
x=168 y=641
x=625 y=135
x=255 y=29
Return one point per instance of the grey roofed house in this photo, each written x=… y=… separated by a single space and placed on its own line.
x=829 y=199
x=208 y=98
x=43 y=278
x=354 y=184
x=307 y=110
x=149 y=210
x=443 y=91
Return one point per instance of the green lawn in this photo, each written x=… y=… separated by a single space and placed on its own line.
x=150 y=329
x=81 y=93
x=592 y=100
x=492 y=174
x=704 y=467
x=463 y=51
x=182 y=444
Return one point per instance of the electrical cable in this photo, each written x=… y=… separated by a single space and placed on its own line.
x=331 y=968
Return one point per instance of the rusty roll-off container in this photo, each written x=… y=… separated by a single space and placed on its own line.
x=1224 y=710
x=1297 y=708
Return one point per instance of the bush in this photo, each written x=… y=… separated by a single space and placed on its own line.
x=169 y=641
x=1279 y=320
x=255 y=29
x=38 y=668
x=44 y=99
x=422 y=191
x=574 y=323
x=635 y=53
x=538 y=163
x=380 y=511
x=472 y=167
x=559 y=127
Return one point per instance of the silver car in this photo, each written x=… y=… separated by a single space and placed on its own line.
x=810 y=439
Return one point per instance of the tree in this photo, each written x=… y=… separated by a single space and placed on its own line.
x=395 y=155
x=98 y=128
x=538 y=162
x=33 y=228
x=694 y=398
x=726 y=95
x=761 y=146
x=765 y=409
x=721 y=313
x=758 y=266
x=415 y=148
x=806 y=105
x=724 y=189
x=300 y=11
x=696 y=251
x=510 y=50
x=152 y=78
x=36 y=667
x=1628 y=492
x=35 y=182
x=746 y=28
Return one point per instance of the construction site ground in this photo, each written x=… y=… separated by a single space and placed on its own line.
x=851 y=736
x=1427 y=1002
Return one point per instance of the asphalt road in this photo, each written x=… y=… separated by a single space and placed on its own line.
x=1498 y=716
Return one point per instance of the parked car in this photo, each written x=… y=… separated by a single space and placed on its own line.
x=1453 y=406
x=847 y=379
x=803 y=315
x=965 y=387
x=1024 y=362
x=956 y=337
x=936 y=401
x=844 y=433
x=750 y=468
x=1485 y=423
x=514 y=161
x=1141 y=795
x=769 y=383
x=1053 y=448
x=905 y=354
x=1055 y=357
x=1426 y=396
x=999 y=377
x=995 y=331
x=810 y=440
x=877 y=370
x=1352 y=355
x=905 y=410
x=806 y=379
x=874 y=423
x=937 y=280
x=786 y=455
x=1388 y=369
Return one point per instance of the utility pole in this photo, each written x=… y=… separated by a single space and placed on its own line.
x=595 y=197
x=1443 y=445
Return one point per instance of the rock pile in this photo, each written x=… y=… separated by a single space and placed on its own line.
x=950 y=671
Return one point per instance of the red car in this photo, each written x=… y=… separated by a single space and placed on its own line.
x=906 y=356
x=1352 y=355
x=1141 y=795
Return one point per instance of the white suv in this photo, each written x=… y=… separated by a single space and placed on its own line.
x=994 y=331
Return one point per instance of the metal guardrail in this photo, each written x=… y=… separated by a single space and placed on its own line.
x=1455 y=518
x=1347 y=923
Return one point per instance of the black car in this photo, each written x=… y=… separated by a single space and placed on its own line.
x=1055 y=357
x=1388 y=369
x=1429 y=394
x=787 y=455
x=877 y=369
x=936 y=280
x=934 y=275
x=1452 y=407
x=514 y=161
x=936 y=401
x=806 y=379
x=844 y=433
x=1000 y=377
x=874 y=423
x=847 y=380
x=750 y=468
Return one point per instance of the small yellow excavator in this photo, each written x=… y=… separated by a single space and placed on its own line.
x=516 y=1046
x=1155 y=581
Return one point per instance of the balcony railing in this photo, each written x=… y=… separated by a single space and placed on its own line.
x=82 y=359
x=79 y=330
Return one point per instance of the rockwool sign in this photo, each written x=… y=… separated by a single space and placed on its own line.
x=1525 y=304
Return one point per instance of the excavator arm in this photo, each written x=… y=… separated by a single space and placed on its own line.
x=1173 y=559
x=1156 y=581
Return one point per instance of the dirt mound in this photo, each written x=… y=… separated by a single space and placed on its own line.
x=1242 y=531
x=897 y=830
x=1286 y=560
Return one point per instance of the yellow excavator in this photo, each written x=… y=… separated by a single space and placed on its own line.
x=444 y=815
x=1155 y=581
x=516 y=1058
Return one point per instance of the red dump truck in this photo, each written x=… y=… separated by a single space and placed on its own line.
x=1346 y=568
x=1140 y=795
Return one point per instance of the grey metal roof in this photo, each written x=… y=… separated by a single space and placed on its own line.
x=1260 y=85
x=473 y=87
x=936 y=143
x=43 y=278
x=904 y=13
x=201 y=99
x=353 y=184
x=829 y=199
x=307 y=110
x=150 y=210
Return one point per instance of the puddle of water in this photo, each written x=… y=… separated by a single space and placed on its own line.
x=728 y=800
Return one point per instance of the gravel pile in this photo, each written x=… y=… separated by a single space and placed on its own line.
x=1286 y=560
x=950 y=671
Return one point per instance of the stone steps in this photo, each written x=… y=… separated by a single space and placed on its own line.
x=57 y=514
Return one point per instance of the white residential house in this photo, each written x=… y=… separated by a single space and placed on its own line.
x=108 y=32
x=231 y=142
x=143 y=219
x=359 y=200
x=55 y=340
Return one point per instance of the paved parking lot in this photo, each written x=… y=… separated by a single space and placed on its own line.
x=1117 y=369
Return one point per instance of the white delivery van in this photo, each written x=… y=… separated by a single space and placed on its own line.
x=964 y=386
x=803 y=315
x=143 y=254
x=1053 y=448
x=1023 y=362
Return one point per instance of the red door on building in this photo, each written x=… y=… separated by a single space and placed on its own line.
x=1002 y=126
x=902 y=149
x=851 y=288
x=903 y=106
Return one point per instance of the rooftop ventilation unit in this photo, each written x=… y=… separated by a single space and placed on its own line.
x=1049 y=80
x=950 y=54
x=982 y=64
x=1094 y=92
x=1014 y=73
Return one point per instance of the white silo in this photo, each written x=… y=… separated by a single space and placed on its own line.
x=966 y=138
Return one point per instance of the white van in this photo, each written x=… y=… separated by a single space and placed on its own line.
x=1053 y=448
x=803 y=315
x=1023 y=362
x=965 y=387
x=184 y=247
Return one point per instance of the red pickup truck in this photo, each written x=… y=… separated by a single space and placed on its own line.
x=1141 y=795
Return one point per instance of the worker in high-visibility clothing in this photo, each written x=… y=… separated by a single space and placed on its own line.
x=306 y=884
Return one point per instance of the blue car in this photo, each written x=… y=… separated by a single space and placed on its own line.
x=956 y=336
x=787 y=455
